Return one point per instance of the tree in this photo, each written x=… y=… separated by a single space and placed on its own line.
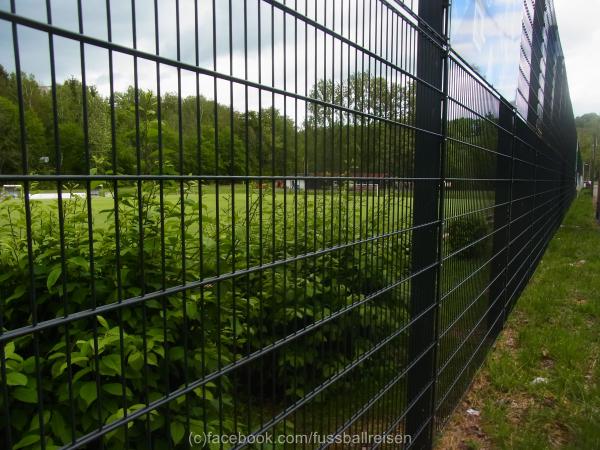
x=363 y=92
x=588 y=127
x=99 y=137
x=368 y=141
x=151 y=141
x=11 y=152
x=71 y=148
x=170 y=136
x=471 y=155
x=4 y=82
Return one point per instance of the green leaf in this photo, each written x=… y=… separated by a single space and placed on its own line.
x=138 y=406
x=16 y=379
x=26 y=441
x=53 y=277
x=27 y=395
x=115 y=389
x=29 y=365
x=76 y=360
x=80 y=261
x=111 y=365
x=204 y=393
x=79 y=359
x=177 y=431
x=102 y=322
x=60 y=428
x=58 y=346
x=151 y=358
x=9 y=350
x=81 y=373
x=35 y=422
x=119 y=414
x=56 y=355
x=88 y=392
x=136 y=361
x=19 y=291
x=5 y=276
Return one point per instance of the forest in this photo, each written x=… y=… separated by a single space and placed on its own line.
x=140 y=132
x=364 y=125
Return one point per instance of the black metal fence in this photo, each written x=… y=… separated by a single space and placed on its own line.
x=294 y=224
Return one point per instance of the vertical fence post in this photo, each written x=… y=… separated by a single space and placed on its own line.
x=426 y=210
x=502 y=218
x=514 y=193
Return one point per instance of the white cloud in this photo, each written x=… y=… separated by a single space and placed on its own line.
x=580 y=36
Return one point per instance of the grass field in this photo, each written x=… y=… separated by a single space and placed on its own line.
x=456 y=203
x=551 y=337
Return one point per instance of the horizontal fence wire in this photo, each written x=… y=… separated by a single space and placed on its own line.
x=262 y=219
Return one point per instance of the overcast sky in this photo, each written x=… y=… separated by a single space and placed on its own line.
x=577 y=21
x=288 y=61
x=579 y=27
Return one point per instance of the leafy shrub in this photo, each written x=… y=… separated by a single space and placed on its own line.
x=467 y=230
x=96 y=370
x=86 y=352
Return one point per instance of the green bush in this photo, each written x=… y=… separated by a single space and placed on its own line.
x=464 y=231
x=117 y=362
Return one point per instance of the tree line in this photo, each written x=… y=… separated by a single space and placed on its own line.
x=348 y=128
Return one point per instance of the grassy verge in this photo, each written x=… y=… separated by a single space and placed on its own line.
x=552 y=337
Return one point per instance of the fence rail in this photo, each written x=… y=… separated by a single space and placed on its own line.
x=299 y=223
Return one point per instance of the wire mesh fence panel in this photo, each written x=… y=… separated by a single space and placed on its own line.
x=259 y=223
